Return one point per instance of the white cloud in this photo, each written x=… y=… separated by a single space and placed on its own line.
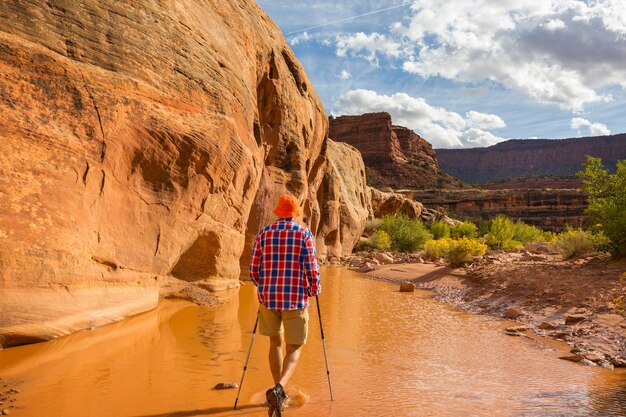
x=577 y=122
x=367 y=46
x=302 y=37
x=595 y=129
x=558 y=52
x=345 y=75
x=483 y=120
x=554 y=24
x=599 y=129
x=442 y=128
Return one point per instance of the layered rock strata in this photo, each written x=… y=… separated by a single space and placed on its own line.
x=394 y=156
x=530 y=157
x=141 y=141
x=549 y=209
x=345 y=202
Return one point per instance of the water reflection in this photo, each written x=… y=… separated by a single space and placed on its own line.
x=389 y=353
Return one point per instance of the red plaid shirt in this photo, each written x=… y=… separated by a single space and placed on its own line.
x=284 y=266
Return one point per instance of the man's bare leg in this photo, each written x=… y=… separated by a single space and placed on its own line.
x=290 y=362
x=276 y=356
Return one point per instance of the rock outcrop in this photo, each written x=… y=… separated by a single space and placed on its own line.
x=549 y=209
x=345 y=202
x=390 y=204
x=536 y=182
x=394 y=156
x=530 y=157
x=140 y=141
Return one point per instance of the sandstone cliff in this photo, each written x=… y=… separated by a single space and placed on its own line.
x=549 y=209
x=394 y=156
x=515 y=158
x=138 y=141
x=344 y=200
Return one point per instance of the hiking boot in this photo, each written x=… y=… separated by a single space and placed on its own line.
x=275 y=397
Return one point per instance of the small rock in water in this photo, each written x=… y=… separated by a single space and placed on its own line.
x=572 y=358
x=546 y=325
x=587 y=362
x=367 y=267
x=574 y=318
x=407 y=287
x=513 y=313
x=383 y=258
x=606 y=364
x=226 y=385
x=619 y=362
x=594 y=356
x=517 y=329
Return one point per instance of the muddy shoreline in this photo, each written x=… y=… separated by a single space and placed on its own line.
x=571 y=301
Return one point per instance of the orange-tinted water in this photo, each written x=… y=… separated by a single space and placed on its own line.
x=390 y=353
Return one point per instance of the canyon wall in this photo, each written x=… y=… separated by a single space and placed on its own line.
x=394 y=156
x=140 y=141
x=549 y=209
x=530 y=157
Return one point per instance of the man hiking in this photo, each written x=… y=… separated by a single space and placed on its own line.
x=284 y=268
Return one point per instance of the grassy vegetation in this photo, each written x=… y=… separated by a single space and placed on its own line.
x=407 y=235
x=455 y=251
x=573 y=242
x=466 y=229
x=440 y=230
x=465 y=241
x=379 y=240
x=607 y=204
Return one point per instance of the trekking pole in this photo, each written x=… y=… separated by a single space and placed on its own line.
x=319 y=314
x=245 y=366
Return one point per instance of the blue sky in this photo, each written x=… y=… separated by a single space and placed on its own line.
x=466 y=73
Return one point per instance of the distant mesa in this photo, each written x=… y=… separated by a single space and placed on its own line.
x=531 y=158
x=394 y=156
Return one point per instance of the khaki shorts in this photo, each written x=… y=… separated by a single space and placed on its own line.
x=295 y=322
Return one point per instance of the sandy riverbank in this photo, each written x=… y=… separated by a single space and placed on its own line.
x=569 y=300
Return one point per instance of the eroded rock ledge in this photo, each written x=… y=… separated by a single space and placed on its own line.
x=140 y=141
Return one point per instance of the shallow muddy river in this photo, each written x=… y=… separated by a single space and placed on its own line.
x=390 y=353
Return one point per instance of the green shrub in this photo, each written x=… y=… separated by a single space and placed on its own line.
x=434 y=249
x=573 y=242
x=464 y=250
x=465 y=229
x=607 y=202
x=549 y=236
x=501 y=230
x=406 y=234
x=512 y=245
x=380 y=240
x=455 y=251
x=525 y=233
x=440 y=230
x=483 y=227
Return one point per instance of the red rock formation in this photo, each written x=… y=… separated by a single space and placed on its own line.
x=138 y=141
x=394 y=156
x=515 y=158
x=548 y=209
x=534 y=183
x=344 y=201
x=414 y=147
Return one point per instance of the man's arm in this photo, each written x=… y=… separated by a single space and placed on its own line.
x=310 y=265
x=255 y=262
